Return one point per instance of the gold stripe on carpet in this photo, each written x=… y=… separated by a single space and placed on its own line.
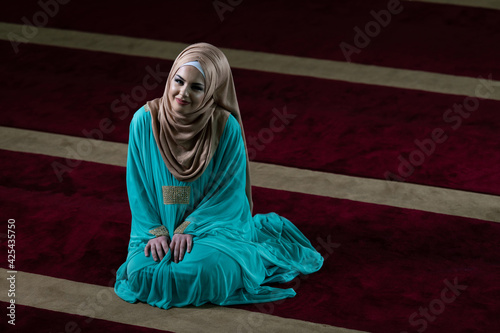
x=376 y=191
x=267 y=62
x=98 y=302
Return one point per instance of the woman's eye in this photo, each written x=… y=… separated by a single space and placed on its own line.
x=198 y=88
x=178 y=81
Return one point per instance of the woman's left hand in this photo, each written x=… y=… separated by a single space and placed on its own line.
x=178 y=246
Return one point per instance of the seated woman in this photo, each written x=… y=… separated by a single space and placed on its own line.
x=193 y=237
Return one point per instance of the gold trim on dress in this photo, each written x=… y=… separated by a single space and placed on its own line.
x=180 y=229
x=146 y=108
x=176 y=195
x=160 y=231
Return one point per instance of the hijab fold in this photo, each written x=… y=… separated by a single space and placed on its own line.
x=187 y=142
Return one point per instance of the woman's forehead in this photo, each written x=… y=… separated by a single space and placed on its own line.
x=190 y=74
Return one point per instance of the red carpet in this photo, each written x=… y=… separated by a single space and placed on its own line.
x=430 y=37
x=359 y=130
x=379 y=259
x=31 y=319
x=384 y=266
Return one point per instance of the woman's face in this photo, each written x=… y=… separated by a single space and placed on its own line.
x=187 y=89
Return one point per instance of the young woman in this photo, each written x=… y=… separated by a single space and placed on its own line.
x=193 y=237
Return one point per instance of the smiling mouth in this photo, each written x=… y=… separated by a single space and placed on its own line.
x=181 y=102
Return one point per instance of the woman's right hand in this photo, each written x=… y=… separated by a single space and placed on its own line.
x=158 y=246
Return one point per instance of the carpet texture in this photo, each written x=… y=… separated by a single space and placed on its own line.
x=45 y=321
x=431 y=37
x=332 y=126
x=386 y=269
x=378 y=259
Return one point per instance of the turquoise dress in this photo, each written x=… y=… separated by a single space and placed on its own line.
x=234 y=254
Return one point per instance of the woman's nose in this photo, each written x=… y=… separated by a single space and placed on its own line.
x=184 y=91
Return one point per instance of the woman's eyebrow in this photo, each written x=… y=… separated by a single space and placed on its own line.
x=197 y=83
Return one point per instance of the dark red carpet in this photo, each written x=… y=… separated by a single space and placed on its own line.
x=430 y=37
x=358 y=129
x=379 y=260
x=386 y=269
x=30 y=319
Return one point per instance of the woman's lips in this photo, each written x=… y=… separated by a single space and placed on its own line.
x=181 y=102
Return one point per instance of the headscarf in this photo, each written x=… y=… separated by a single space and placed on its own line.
x=187 y=142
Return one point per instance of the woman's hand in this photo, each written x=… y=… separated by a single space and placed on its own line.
x=178 y=246
x=158 y=247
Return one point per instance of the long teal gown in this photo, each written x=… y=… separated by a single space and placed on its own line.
x=234 y=254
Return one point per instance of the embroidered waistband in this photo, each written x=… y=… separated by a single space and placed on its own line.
x=176 y=195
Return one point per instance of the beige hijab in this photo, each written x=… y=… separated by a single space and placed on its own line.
x=187 y=142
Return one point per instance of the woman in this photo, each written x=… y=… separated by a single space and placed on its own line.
x=193 y=237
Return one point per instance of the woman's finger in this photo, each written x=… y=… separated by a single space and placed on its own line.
x=146 y=249
x=182 y=248
x=164 y=245
x=189 y=244
x=153 y=252
x=159 y=251
x=173 y=245
x=176 y=252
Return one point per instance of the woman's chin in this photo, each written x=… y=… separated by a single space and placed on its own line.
x=180 y=108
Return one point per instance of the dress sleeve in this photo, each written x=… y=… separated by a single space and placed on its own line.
x=224 y=208
x=146 y=222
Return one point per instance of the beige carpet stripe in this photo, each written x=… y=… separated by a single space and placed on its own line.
x=66 y=146
x=396 y=194
x=488 y=4
x=93 y=301
x=267 y=62
x=381 y=192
